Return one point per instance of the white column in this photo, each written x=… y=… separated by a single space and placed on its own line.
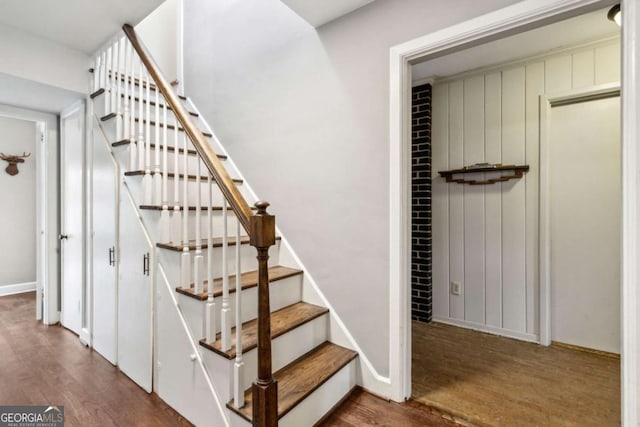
x=185 y=271
x=157 y=175
x=147 y=181
x=176 y=219
x=238 y=366
x=225 y=324
x=210 y=318
x=165 y=218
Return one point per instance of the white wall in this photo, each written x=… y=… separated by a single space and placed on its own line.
x=486 y=237
x=34 y=58
x=304 y=113
x=18 y=235
x=159 y=33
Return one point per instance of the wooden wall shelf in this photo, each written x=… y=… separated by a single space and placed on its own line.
x=518 y=171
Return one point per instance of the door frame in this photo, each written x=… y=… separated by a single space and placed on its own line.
x=77 y=108
x=503 y=22
x=46 y=158
x=546 y=103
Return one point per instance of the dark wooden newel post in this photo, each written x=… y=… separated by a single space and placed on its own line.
x=265 y=388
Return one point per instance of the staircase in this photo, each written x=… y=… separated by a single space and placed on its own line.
x=219 y=255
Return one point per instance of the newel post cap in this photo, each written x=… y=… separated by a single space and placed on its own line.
x=262 y=227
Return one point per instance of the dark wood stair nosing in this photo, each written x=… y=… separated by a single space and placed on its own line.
x=169 y=148
x=171 y=208
x=308 y=392
x=173 y=175
x=231 y=354
x=217 y=244
x=252 y=284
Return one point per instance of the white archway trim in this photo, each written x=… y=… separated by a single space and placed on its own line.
x=516 y=18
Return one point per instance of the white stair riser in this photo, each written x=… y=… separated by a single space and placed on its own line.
x=216 y=219
x=323 y=399
x=285 y=349
x=172 y=260
x=282 y=293
x=135 y=184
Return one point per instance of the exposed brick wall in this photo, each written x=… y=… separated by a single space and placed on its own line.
x=421 y=300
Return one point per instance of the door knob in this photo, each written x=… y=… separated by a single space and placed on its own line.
x=63 y=236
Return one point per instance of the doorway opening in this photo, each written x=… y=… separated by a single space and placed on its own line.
x=492 y=290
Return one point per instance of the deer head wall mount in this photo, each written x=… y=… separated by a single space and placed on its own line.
x=12 y=169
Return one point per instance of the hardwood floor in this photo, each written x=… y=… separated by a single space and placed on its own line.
x=363 y=409
x=496 y=381
x=43 y=365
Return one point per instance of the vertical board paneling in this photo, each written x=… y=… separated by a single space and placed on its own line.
x=534 y=88
x=487 y=237
x=582 y=69
x=440 y=200
x=456 y=198
x=493 y=201
x=558 y=74
x=473 y=117
x=607 y=64
x=513 y=201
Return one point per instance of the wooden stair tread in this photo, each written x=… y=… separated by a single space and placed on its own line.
x=169 y=148
x=216 y=243
x=173 y=175
x=302 y=377
x=152 y=123
x=248 y=280
x=282 y=321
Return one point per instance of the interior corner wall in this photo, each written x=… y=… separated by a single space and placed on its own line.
x=304 y=114
x=159 y=32
x=486 y=237
x=18 y=241
x=44 y=61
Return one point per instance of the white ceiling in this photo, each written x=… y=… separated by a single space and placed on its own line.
x=80 y=24
x=319 y=12
x=580 y=29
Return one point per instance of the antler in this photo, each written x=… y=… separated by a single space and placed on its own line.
x=24 y=155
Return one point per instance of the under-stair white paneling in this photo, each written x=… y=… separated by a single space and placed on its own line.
x=486 y=237
x=18 y=237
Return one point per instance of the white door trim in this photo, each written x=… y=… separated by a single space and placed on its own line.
x=521 y=16
x=46 y=158
x=546 y=103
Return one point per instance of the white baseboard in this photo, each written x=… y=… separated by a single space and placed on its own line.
x=18 y=288
x=522 y=336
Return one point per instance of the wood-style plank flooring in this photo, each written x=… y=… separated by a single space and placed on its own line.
x=363 y=409
x=47 y=365
x=495 y=381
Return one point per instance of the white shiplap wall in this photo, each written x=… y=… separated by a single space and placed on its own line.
x=486 y=237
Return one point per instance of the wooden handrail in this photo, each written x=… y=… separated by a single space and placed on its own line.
x=205 y=151
x=261 y=228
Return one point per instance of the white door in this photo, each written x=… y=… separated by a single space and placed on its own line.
x=105 y=207
x=72 y=217
x=585 y=212
x=135 y=290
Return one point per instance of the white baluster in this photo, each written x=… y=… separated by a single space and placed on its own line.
x=176 y=222
x=118 y=94
x=238 y=366
x=225 y=324
x=96 y=73
x=115 y=80
x=157 y=176
x=198 y=260
x=141 y=140
x=185 y=271
x=209 y=317
x=103 y=72
x=165 y=225
x=107 y=88
x=133 y=144
x=127 y=73
x=147 y=181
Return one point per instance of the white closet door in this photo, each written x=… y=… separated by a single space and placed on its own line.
x=135 y=290
x=105 y=291
x=585 y=198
